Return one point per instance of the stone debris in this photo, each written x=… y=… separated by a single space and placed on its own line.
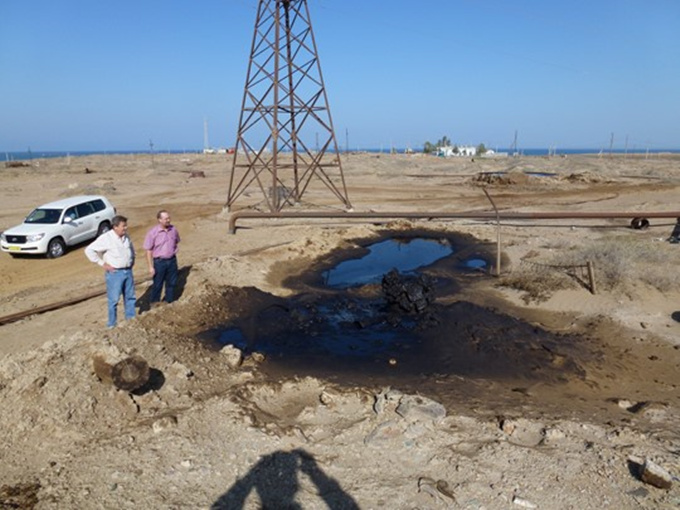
x=164 y=423
x=415 y=408
x=384 y=432
x=180 y=371
x=233 y=355
x=653 y=474
x=387 y=398
x=258 y=357
x=328 y=397
x=438 y=489
x=524 y=503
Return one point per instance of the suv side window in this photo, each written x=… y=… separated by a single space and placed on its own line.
x=84 y=209
x=98 y=205
x=71 y=213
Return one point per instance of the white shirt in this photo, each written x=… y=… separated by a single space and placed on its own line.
x=111 y=249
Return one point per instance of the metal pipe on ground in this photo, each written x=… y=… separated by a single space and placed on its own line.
x=638 y=219
x=14 y=317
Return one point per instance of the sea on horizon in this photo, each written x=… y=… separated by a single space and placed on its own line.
x=31 y=155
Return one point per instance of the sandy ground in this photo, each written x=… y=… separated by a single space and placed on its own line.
x=206 y=434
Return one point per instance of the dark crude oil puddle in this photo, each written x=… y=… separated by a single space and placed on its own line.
x=348 y=323
x=404 y=254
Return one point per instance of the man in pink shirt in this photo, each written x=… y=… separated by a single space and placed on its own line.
x=161 y=244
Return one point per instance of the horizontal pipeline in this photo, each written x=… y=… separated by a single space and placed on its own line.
x=638 y=218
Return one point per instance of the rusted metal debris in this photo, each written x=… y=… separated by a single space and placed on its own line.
x=128 y=374
x=14 y=317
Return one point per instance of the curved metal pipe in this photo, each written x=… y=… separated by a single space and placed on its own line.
x=478 y=215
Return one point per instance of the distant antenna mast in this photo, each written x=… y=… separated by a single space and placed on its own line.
x=206 y=143
x=284 y=106
x=514 y=145
x=151 y=151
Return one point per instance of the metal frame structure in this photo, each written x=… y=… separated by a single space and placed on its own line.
x=284 y=107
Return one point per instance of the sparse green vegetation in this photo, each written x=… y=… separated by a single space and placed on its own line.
x=429 y=148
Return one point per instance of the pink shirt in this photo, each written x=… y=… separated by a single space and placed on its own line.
x=162 y=243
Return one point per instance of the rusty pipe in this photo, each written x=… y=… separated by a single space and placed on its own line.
x=477 y=215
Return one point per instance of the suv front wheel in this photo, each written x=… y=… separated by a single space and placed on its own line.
x=56 y=248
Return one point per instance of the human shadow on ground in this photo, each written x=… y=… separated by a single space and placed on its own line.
x=275 y=478
x=676 y=316
x=144 y=302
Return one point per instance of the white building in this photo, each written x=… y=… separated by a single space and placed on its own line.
x=459 y=150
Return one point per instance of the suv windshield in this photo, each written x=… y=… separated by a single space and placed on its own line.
x=44 y=216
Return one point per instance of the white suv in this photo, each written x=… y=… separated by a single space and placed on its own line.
x=52 y=227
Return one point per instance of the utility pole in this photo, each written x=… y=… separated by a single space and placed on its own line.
x=151 y=151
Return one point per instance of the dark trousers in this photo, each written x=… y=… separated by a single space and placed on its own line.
x=166 y=272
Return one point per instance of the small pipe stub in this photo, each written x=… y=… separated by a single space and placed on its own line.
x=639 y=223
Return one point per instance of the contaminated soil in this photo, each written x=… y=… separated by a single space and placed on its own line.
x=484 y=399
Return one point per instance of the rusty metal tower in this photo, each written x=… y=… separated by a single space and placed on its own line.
x=285 y=139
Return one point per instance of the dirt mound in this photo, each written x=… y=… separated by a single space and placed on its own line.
x=503 y=179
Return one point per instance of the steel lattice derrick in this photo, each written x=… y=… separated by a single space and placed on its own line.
x=284 y=107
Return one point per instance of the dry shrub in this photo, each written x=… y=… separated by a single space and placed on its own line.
x=537 y=281
x=622 y=262
x=619 y=263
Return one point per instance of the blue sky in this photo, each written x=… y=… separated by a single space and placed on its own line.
x=94 y=75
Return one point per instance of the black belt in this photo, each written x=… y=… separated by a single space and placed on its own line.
x=161 y=258
x=122 y=268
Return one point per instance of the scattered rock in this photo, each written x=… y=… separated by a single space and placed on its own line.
x=164 y=423
x=328 y=397
x=233 y=355
x=624 y=404
x=21 y=495
x=181 y=370
x=414 y=408
x=655 y=475
x=523 y=502
x=385 y=398
x=385 y=431
x=435 y=488
x=257 y=357
x=553 y=434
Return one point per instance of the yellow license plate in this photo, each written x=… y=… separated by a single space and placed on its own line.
x=14 y=248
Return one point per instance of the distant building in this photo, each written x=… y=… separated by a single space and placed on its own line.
x=449 y=151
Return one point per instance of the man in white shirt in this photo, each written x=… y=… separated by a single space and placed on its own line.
x=115 y=253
